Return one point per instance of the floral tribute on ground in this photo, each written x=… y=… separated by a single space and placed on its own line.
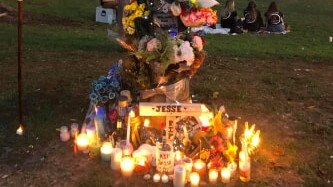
x=141 y=118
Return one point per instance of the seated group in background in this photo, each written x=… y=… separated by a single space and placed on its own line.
x=252 y=20
x=274 y=19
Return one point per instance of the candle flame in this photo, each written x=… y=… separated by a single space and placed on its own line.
x=19 y=130
x=146 y=123
x=131 y=114
x=256 y=140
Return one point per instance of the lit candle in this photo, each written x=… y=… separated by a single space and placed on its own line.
x=19 y=131
x=213 y=175
x=225 y=175
x=116 y=156
x=91 y=134
x=130 y=115
x=157 y=178
x=127 y=166
x=245 y=169
x=188 y=163
x=179 y=176
x=106 y=151
x=165 y=178
x=82 y=142
x=178 y=157
x=194 y=179
x=200 y=167
x=146 y=123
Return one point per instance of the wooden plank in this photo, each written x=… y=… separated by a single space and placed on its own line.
x=169 y=109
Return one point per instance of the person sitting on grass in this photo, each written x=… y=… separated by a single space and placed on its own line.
x=229 y=16
x=274 y=19
x=252 y=18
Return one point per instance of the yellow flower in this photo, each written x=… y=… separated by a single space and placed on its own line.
x=146 y=13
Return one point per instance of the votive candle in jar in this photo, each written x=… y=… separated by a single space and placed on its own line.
x=116 y=156
x=213 y=174
x=194 y=179
x=225 y=175
x=127 y=166
x=106 y=151
x=245 y=170
x=82 y=143
x=200 y=167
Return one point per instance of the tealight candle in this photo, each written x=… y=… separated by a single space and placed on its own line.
x=225 y=175
x=200 y=167
x=179 y=176
x=116 y=156
x=165 y=178
x=82 y=142
x=194 y=179
x=157 y=178
x=213 y=175
x=106 y=151
x=127 y=166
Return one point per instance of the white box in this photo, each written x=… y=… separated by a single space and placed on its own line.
x=105 y=15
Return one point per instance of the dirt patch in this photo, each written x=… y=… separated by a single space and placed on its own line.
x=9 y=15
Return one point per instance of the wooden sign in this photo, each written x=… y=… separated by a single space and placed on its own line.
x=169 y=109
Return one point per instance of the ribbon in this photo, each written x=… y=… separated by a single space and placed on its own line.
x=177 y=92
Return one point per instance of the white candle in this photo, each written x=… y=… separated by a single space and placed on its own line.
x=128 y=135
x=179 y=177
x=213 y=175
x=245 y=170
x=106 y=151
x=91 y=134
x=157 y=178
x=225 y=175
x=74 y=129
x=165 y=178
x=116 y=155
x=194 y=179
x=82 y=142
x=64 y=134
x=200 y=167
x=229 y=132
x=127 y=166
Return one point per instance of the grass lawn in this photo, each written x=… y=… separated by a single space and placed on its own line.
x=280 y=82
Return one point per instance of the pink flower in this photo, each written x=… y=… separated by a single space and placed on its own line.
x=197 y=43
x=153 y=44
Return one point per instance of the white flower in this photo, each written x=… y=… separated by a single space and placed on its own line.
x=184 y=53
